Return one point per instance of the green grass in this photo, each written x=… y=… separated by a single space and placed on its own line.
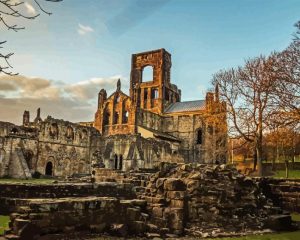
x=278 y=236
x=292 y=174
x=295 y=217
x=4 y=220
x=33 y=180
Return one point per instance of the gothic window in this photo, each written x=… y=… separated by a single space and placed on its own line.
x=120 y=162
x=106 y=118
x=116 y=161
x=154 y=93
x=147 y=74
x=125 y=118
x=145 y=94
x=116 y=118
x=117 y=98
x=70 y=133
x=83 y=134
x=53 y=130
x=199 y=136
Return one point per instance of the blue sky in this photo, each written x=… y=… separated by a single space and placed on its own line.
x=94 y=39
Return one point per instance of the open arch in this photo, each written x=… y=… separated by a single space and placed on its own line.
x=120 y=162
x=147 y=75
x=49 y=169
x=70 y=133
x=199 y=136
x=116 y=118
x=106 y=117
x=125 y=116
x=53 y=131
x=116 y=161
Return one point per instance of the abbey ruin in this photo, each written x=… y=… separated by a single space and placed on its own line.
x=148 y=166
x=129 y=132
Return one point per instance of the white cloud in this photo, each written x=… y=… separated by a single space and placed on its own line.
x=73 y=102
x=82 y=30
x=29 y=8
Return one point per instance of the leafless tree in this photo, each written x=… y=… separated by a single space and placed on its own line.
x=249 y=94
x=14 y=9
x=288 y=74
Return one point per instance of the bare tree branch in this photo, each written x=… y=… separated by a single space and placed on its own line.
x=10 y=9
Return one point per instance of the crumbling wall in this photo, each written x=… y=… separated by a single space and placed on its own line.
x=205 y=200
x=285 y=193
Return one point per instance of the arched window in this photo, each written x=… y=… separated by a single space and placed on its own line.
x=154 y=93
x=83 y=134
x=117 y=98
x=116 y=118
x=199 y=136
x=14 y=131
x=70 y=133
x=116 y=161
x=125 y=117
x=53 y=130
x=120 y=162
x=147 y=74
x=106 y=118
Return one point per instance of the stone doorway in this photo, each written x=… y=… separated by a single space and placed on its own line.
x=49 y=169
x=120 y=162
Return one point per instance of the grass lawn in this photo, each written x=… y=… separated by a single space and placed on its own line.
x=33 y=180
x=278 y=236
x=292 y=174
x=3 y=223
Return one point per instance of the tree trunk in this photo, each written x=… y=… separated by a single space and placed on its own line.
x=259 y=141
x=254 y=159
x=259 y=160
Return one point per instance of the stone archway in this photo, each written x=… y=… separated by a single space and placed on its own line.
x=49 y=169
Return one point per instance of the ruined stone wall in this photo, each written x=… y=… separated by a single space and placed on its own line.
x=285 y=193
x=150 y=120
x=136 y=152
x=66 y=148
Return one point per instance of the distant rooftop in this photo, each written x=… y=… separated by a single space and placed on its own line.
x=186 y=106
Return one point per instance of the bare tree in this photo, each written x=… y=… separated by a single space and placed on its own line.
x=288 y=74
x=14 y=9
x=248 y=93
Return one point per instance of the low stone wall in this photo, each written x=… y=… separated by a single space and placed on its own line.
x=67 y=190
x=284 y=193
x=96 y=214
x=13 y=195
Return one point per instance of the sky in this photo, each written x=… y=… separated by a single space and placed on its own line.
x=63 y=60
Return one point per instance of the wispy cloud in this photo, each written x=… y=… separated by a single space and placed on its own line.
x=29 y=8
x=73 y=102
x=83 y=30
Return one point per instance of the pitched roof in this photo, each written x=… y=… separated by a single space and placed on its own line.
x=186 y=106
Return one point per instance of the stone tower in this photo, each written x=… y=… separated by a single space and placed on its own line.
x=157 y=93
x=26 y=118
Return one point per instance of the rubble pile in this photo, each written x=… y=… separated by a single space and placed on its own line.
x=206 y=200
